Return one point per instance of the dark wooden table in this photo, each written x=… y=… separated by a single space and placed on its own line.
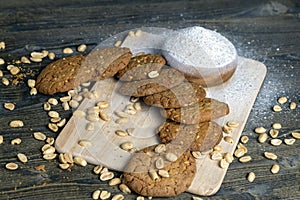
x=267 y=31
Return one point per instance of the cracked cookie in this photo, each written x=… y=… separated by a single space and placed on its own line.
x=139 y=67
x=160 y=170
x=198 y=137
x=168 y=78
x=203 y=111
x=185 y=94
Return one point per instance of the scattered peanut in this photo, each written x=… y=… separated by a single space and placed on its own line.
x=228 y=139
x=153 y=174
x=260 y=130
x=85 y=143
x=114 y=181
x=163 y=173
x=104 y=116
x=39 y=136
x=96 y=194
x=276 y=142
x=282 y=100
x=49 y=156
x=223 y=163
x=53 y=101
x=159 y=163
x=276 y=126
x=11 y=166
x=31 y=83
x=5 y=81
x=239 y=152
x=67 y=50
x=127 y=146
x=245 y=159
x=216 y=155
x=121 y=133
x=124 y=188
x=22 y=157
x=33 y=91
x=296 y=135
x=105 y=195
x=118 y=43
x=64 y=165
x=25 y=60
x=106 y=176
x=153 y=74
x=227 y=129
x=47 y=106
x=51 y=55
x=14 y=70
x=16 y=123
x=81 y=48
x=118 y=197
x=244 y=139
x=277 y=108
x=53 y=127
x=171 y=157
x=196 y=154
x=275 y=168
x=80 y=161
x=9 y=106
x=2 y=45
x=1 y=139
x=2 y=61
x=293 y=105
x=53 y=114
x=233 y=124
x=270 y=155
x=273 y=133
x=251 y=177
x=262 y=137
x=228 y=157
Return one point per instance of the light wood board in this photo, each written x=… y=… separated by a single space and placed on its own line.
x=239 y=92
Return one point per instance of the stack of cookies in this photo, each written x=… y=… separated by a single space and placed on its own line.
x=166 y=169
x=188 y=126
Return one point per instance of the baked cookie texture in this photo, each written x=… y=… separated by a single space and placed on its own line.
x=142 y=175
x=197 y=137
x=67 y=73
x=185 y=94
x=205 y=110
x=168 y=78
x=104 y=63
x=59 y=76
x=139 y=67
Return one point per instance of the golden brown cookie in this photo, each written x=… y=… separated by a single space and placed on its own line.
x=104 y=63
x=167 y=78
x=139 y=67
x=160 y=171
x=198 y=137
x=67 y=73
x=185 y=94
x=59 y=76
x=203 y=111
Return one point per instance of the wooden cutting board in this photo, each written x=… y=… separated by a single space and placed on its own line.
x=239 y=92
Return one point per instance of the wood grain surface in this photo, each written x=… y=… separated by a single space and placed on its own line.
x=267 y=31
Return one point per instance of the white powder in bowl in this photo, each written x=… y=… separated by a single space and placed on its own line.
x=195 y=48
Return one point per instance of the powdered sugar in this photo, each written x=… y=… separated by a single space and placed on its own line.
x=197 y=47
